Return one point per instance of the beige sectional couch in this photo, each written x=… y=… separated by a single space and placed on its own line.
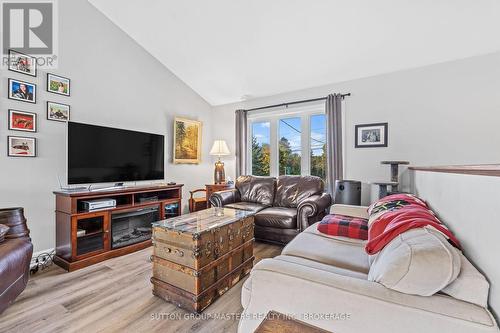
x=331 y=282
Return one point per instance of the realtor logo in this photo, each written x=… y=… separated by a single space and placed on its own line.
x=30 y=28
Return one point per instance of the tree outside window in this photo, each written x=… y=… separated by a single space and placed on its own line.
x=261 y=153
x=289 y=147
x=318 y=145
x=298 y=144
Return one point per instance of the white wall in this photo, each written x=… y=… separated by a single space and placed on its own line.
x=114 y=83
x=468 y=205
x=441 y=114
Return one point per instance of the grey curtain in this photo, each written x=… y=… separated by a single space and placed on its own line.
x=241 y=142
x=334 y=169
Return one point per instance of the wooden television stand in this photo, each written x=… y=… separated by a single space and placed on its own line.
x=84 y=238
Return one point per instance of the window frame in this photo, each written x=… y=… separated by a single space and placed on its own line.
x=304 y=112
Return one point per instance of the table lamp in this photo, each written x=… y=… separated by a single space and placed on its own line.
x=219 y=149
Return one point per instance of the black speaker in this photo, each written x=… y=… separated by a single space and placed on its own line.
x=348 y=192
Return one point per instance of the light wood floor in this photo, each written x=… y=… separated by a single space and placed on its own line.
x=113 y=296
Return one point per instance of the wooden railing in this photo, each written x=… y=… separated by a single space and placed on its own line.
x=478 y=169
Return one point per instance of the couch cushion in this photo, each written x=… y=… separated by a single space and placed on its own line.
x=250 y=206
x=328 y=250
x=419 y=262
x=292 y=190
x=470 y=285
x=256 y=189
x=277 y=217
x=323 y=267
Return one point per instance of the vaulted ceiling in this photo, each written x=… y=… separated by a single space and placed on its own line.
x=227 y=50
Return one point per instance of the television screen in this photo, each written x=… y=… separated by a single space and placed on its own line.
x=98 y=154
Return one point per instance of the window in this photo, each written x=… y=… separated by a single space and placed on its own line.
x=289 y=141
x=318 y=145
x=261 y=149
x=289 y=146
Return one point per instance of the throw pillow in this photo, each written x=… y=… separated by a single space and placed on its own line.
x=418 y=262
x=344 y=226
x=3 y=231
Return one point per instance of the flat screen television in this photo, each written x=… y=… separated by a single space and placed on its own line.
x=98 y=154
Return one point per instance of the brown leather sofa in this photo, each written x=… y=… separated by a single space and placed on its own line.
x=283 y=207
x=15 y=255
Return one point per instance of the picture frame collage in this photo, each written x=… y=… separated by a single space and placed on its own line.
x=27 y=92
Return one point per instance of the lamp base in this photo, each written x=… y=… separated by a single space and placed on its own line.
x=219 y=175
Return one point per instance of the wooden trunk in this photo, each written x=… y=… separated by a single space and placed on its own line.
x=196 y=250
x=197 y=281
x=191 y=269
x=198 y=303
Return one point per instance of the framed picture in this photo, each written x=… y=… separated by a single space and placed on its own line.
x=58 y=84
x=22 y=63
x=187 y=141
x=18 y=146
x=22 y=121
x=371 y=135
x=22 y=91
x=58 y=111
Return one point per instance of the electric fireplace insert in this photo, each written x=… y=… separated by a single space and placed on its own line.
x=132 y=226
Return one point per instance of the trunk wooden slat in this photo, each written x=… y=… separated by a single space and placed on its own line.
x=199 y=256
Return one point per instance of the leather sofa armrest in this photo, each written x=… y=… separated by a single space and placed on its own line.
x=314 y=206
x=222 y=198
x=349 y=210
x=3 y=230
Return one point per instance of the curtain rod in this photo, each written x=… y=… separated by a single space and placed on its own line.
x=295 y=102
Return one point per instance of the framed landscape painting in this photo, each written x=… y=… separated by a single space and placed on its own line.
x=58 y=111
x=21 y=146
x=22 y=121
x=371 y=135
x=187 y=141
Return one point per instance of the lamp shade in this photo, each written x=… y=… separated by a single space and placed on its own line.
x=219 y=148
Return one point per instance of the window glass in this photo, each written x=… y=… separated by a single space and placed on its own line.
x=260 y=149
x=318 y=145
x=289 y=146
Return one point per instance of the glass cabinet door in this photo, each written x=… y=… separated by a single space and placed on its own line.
x=171 y=210
x=91 y=233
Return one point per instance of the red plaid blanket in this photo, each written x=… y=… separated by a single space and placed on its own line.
x=345 y=226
